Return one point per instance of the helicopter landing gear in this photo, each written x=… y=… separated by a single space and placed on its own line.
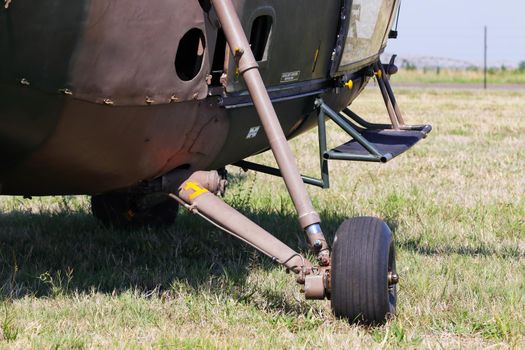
x=360 y=279
x=360 y=276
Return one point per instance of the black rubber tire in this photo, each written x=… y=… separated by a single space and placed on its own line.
x=363 y=254
x=120 y=210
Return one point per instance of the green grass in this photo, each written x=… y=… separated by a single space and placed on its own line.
x=460 y=76
x=456 y=203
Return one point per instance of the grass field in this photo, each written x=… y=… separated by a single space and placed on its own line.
x=456 y=203
x=460 y=76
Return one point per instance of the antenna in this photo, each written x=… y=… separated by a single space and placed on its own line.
x=485 y=61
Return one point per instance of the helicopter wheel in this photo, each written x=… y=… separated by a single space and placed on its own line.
x=125 y=210
x=363 y=274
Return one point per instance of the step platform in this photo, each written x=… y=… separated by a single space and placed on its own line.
x=383 y=144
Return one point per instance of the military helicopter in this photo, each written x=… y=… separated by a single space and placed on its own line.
x=142 y=105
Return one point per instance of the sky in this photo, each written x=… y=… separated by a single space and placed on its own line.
x=454 y=29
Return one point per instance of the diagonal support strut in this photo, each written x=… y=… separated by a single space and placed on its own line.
x=308 y=217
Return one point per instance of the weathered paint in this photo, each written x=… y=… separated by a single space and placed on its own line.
x=90 y=100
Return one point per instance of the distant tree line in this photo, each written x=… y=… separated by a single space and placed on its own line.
x=406 y=64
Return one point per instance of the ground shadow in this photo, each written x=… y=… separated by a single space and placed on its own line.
x=42 y=254
x=72 y=251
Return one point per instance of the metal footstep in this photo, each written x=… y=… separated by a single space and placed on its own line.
x=370 y=142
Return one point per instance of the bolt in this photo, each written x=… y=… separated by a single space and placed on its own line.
x=393 y=278
x=238 y=51
x=318 y=244
x=324 y=260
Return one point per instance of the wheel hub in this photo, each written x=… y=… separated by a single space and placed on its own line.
x=393 y=278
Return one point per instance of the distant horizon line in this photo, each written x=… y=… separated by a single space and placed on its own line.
x=429 y=61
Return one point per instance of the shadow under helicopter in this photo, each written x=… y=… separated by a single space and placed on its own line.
x=68 y=251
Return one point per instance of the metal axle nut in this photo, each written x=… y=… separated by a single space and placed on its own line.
x=393 y=278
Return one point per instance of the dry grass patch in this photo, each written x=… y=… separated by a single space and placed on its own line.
x=460 y=76
x=456 y=203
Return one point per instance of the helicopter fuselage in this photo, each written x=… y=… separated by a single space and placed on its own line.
x=101 y=95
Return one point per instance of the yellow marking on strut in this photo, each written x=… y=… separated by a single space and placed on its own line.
x=379 y=73
x=316 y=57
x=197 y=190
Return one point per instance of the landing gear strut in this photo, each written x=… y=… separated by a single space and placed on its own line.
x=354 y=255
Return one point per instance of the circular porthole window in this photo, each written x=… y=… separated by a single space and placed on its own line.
x=190 y=54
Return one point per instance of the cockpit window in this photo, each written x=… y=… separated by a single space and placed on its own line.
x=369 y=22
